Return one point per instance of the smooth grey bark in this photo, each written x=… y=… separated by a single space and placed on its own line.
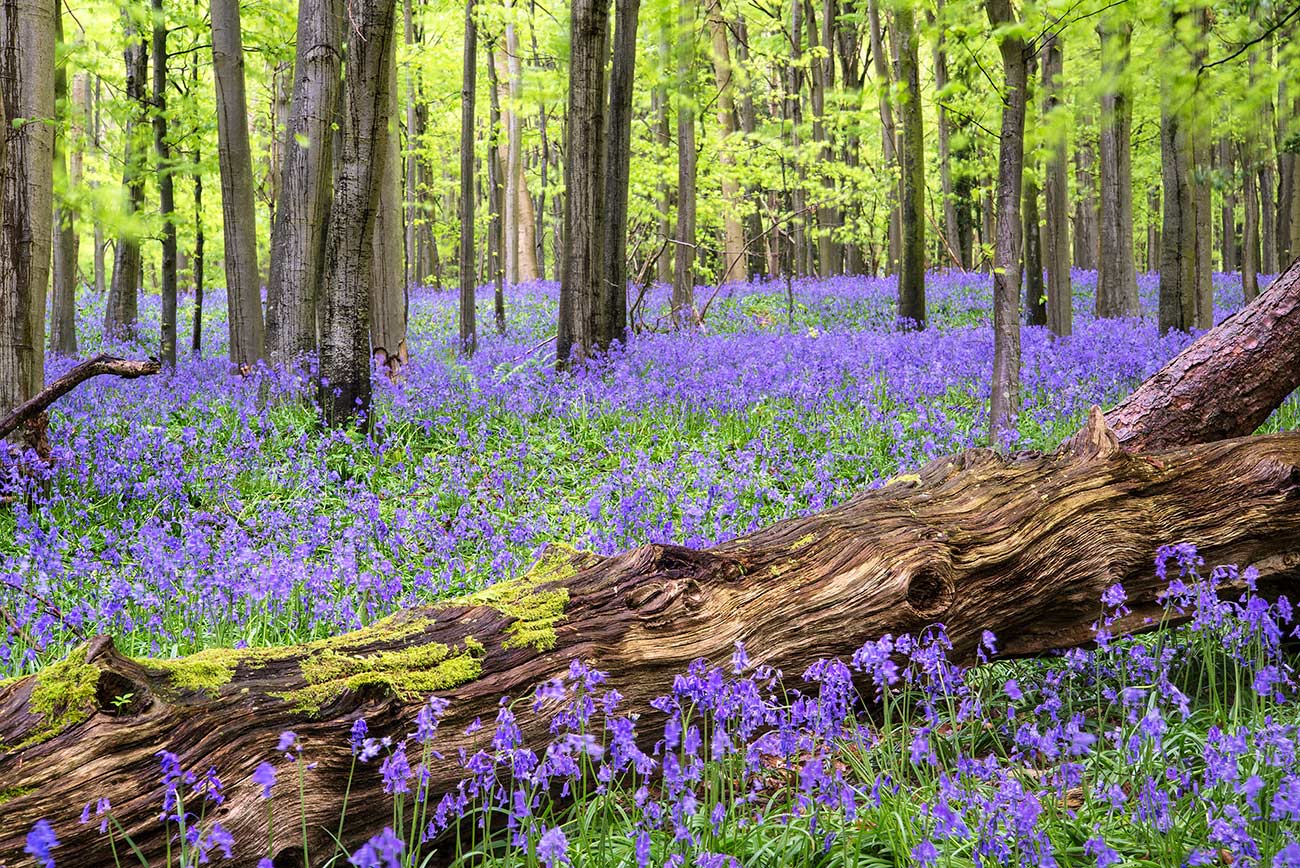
x=1056 y=187
x=1005 y=391
x=415 y=266
x=302 y=214
x=67 y=169
x=93 y=122
x=466 y=274
x=1178 y=228
x=911 y=280
x=345 y=361
x=239 y=220
x=513 y=161
x=734 y=265
x=1250 y=222
x=888 y=131
x=166 y=188
x=26 y=192
x=618 y=164
x=388 y=302
x=1087 y=233
x=124 y=287
x=1228 y=214
x=1117 y=272
x=584 y=184
x=683 y=298
x=1267 y=178
x=495 y=194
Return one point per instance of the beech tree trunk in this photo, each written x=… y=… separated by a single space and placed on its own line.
x=243 y=292
x=888 y=131
x=911 y=277
x=67 y=167
x=466 y=274
x=683 y=297
x=349 y=243
x=618 y=166
x=1056 y=229
x=919 y=550
x=166 y=188
x=26 y=191
x=124 y=286
x=1250 y=222
x=1087 y=233
x=1005 y=401
x=388 y=302
x=302 y=214
x=1117 y=274
x=734 y=267
x=1228 y=215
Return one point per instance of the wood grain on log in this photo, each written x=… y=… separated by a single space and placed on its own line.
x=1021 y=545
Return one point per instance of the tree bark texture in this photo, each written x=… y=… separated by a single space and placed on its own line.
x=166 y=188
x=465 y=259
x=1035 y=290
x=67 y=168
x=302 y=214
x=1087 y=232
x=888 y=130
x=1228 y=214
x=1117 y=273
x=1005 y=399
x=124 y=287
x=582 y=315
x=1056 y=187
x=1178 y=229
x=911 y=278
x=734 y=267
x=618 y=163
x=349 y=243
x=388 y=302
x=243 y=290
x=683 y=298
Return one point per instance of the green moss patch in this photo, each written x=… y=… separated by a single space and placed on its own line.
x=535 y=610
x=8 y=795
x=63 y=696
x=408 y=673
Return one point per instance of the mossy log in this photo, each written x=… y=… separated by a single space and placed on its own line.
x=1021 y=545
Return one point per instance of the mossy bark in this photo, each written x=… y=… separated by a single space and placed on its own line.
x=1022 y=545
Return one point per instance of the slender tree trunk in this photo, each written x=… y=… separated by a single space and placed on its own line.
x=1250 y=224
x=683 y=300
x=27 y=38
x=349 y=242
x=911 y=281
x=302 y=214
x=1117 y=273
x=196 y=335
x=497 y=239
x=1087 y=233
x=1178 y=232
x=663 y=137
x=734 y=265
x=1153 y=229
x=1005 y=398
x=514 y=159
x=166 y=192
x=1267 y=179
x=388 y=301
x=120 y=310
x=888 y=132
x=581 y=312
x=1056 y=235
x=618 y=163
x=792 y=109
x=1035 y=291
x=243 y=294
x=1228 y=216
x=1201 y=166
x=63 y=299
x=951 y=234
x=818 y=86
x=467 y=277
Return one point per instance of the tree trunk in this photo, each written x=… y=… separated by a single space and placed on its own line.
x=911 y=279
x=917 y=551
x=497 y=241
x=166 y=188
x=1117 y=273
x=1035 y=291
x=388 y=301
x=683 y=298
x=123 y=293
x=734 y=265
x=1005 y=398
x=302 y=214
x=67 y=168
x=581 y=312
x=821 y=80
x=1250 y=224
x=1087 y=232
x=1178 y=229
x=514 y=169
x=951 y=231
x=466 y=274
x=618 y=166
x=243 y=293
x=888 y=132
x=349 y=242
x=1056 y=234
x=93 y=122
x=1228 y=216
x=26 y=191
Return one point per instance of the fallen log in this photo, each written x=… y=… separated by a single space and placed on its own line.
x=1226 y=383
x=1020 y=545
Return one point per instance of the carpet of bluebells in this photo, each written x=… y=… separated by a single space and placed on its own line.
x=194 y=510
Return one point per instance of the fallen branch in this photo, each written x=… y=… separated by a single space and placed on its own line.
x=101 y=364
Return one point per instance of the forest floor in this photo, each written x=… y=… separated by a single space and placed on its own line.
x=190 y=510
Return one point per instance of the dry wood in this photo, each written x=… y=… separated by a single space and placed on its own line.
x=101 y=364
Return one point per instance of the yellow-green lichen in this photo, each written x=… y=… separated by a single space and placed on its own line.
x=63 y=696
x=534 y=600
x=213 y=668
x=802 y=541
x=408 y=673
x=11 y=793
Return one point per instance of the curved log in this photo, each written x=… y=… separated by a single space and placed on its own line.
x=1226 y=383
x=101 y=364
x=1020 y=545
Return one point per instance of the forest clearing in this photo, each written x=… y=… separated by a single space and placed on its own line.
x=848 y=433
